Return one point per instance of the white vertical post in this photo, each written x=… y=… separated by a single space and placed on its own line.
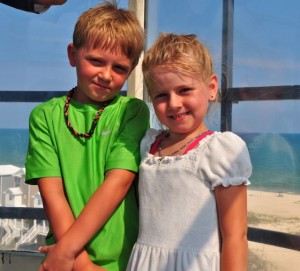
x=1 y=195
x=135 y=81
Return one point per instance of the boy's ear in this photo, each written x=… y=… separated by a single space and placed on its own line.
x=213 y=88
x=72 y=54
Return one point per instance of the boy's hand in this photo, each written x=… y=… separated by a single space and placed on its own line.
x=55 y=259
x=91 y=267
x=87 y=265
x=98 y=268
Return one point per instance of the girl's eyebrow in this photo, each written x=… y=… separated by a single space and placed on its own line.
x=157 y=91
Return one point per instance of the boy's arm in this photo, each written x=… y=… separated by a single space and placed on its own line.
x=94 y=215
x=59 y=214
x=232 y=216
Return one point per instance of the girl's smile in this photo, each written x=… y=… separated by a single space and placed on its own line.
x=181 y=100
x=179 y=116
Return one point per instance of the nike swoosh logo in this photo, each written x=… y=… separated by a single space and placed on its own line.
x=106 y=132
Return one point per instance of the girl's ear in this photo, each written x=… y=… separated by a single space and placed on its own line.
x=72 y=54
x=213 y=88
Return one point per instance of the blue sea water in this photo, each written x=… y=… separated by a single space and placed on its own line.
x=276 y=161
x=275 y=157
x=13 y=146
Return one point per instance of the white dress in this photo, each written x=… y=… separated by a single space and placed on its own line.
x=178 y=216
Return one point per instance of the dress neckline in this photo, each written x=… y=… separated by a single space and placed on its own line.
x=156 y=143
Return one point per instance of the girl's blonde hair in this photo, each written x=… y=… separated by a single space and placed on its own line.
x=110 y=28
x=183 y=53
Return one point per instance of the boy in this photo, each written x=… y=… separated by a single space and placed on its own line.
x=84 y=148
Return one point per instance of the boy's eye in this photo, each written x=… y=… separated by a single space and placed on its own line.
x=121 y=69
x=96 y=61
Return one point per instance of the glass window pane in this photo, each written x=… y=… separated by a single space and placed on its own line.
x=266 y=38
x=203 y=18
x=270 y=258
x=33 y=48
x=266 y=116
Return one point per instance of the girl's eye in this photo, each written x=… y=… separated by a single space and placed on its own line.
x=160 y=96
x=184 y=90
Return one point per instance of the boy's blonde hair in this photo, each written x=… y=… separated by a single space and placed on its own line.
x=183 y=53
x=109 y=27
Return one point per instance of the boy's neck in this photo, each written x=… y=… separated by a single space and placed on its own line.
x=75 y=94
x=94 y=122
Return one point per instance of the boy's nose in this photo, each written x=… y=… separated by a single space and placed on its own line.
x=105 y=74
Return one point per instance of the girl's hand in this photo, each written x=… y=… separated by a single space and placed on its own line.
x=56 y=260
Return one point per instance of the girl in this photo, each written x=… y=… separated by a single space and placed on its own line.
x=192 y=187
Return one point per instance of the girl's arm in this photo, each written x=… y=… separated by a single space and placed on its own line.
x=94 y=215
x=232 y=215
x=60 y=216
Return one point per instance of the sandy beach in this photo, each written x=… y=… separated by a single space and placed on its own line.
x=274 y=211
x=279 y=212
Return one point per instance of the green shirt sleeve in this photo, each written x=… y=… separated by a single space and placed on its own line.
x=125 y=152
x=42 y=159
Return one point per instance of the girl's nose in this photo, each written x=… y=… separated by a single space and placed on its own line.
x=174 y=101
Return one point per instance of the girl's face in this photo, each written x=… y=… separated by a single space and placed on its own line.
x=181 y=100
x=100 y=74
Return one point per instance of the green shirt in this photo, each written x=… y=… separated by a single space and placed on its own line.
x=54 y=151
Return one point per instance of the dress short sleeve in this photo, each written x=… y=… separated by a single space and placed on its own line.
x=227 y=161
x=147 y=141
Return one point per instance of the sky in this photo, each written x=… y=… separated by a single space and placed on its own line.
x=266 y=52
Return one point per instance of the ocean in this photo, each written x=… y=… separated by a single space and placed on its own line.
x=275 y=157
x=13 y=146
x=276 y=161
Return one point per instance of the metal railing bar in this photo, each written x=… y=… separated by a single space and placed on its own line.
x=22 y=213
x=279 y=239
x=274 y=238
x=270 y=93
x=21 y=253
x=33 y=96
x=29 y=96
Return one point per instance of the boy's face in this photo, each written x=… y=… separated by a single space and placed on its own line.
x=100 y=74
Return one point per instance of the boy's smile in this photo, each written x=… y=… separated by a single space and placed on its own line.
x=101 y=73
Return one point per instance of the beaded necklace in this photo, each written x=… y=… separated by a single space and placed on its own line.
x=95 y=120
x=179 y=149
